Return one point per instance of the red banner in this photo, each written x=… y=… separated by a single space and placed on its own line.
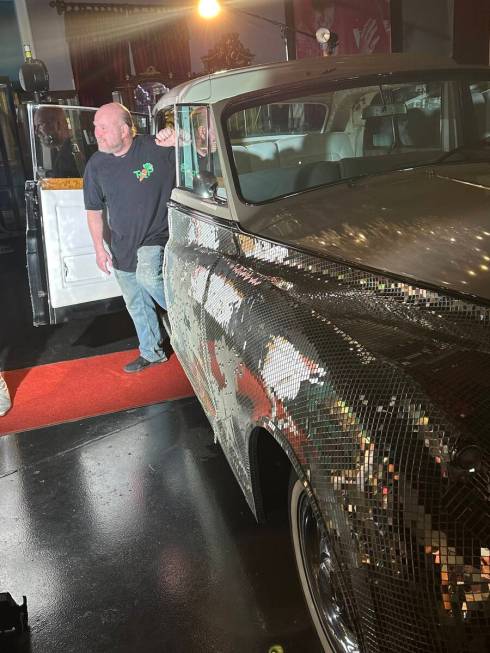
x=361 y=26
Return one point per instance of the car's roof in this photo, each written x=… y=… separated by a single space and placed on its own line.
x=219 y=86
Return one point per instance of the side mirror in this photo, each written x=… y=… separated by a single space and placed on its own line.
x=203 y=184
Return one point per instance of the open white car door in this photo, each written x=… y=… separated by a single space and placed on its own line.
x=64 y=279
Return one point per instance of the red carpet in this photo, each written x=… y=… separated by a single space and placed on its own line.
x=72 y=390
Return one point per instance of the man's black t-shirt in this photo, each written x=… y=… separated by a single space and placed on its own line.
x=135 y=188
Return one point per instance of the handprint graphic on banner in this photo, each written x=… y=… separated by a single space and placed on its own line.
x=362 y=26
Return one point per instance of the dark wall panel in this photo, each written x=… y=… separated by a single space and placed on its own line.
x=10 y=44
x=471 y=31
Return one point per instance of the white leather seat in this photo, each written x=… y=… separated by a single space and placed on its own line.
x=242 y=158
x=302 y=149
x=337 y=146
x=263 y=155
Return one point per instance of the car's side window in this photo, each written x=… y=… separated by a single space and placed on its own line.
x=63 y=139
x=198 y=160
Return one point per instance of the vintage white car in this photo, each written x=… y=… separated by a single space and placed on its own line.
x=328 y=287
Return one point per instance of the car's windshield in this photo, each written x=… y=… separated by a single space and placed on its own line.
x=311 y=140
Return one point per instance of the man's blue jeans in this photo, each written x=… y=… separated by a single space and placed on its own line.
x=140 y=290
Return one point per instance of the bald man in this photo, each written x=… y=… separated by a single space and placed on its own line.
x=51 y=128
x=132 y=176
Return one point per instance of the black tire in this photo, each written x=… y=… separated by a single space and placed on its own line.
x=316 y=571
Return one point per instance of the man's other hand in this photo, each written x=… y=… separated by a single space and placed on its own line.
x=103 y=260
x=166 y=137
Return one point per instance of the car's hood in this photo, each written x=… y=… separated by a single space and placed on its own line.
x=430 y=224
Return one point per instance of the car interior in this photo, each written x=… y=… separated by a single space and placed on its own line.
x=366 y=131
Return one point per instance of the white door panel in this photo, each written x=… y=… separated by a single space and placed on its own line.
x=64 y=280
x=80 y=269
x=73 y=275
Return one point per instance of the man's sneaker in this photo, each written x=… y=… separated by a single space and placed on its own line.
x=141 y=363
x=5 y=402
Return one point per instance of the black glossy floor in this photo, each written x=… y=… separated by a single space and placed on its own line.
x=128 y=532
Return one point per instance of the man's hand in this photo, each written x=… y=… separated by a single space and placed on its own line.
x=96 y=229
x=166 y=137
x=103 y=260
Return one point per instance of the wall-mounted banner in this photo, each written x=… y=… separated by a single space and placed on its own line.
x=362 y=26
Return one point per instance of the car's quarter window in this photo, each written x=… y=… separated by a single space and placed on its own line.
x=480 y=98
x=360 y=130
x=197 y=152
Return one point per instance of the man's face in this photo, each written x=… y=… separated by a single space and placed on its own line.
x=202 y=134
x=109 y=131
x=49 y=127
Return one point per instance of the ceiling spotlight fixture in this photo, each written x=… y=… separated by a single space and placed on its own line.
x=322 y=35
x=208 y=8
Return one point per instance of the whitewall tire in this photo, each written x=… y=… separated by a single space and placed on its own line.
x=316 y=569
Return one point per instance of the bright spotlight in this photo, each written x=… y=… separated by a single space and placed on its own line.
x=208 y=8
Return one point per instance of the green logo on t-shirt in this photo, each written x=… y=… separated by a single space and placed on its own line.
x=145 y=171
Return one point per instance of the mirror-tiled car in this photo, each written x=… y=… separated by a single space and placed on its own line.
x=327 y=276
x=328 y=282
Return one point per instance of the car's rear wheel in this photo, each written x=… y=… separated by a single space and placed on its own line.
x=318 y=574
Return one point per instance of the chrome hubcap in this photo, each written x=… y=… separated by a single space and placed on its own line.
x=321 y=572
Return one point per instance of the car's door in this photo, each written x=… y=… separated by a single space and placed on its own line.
x=64 y=279
x=195 y=243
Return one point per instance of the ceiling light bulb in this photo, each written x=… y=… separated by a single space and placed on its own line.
x=208 y=8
